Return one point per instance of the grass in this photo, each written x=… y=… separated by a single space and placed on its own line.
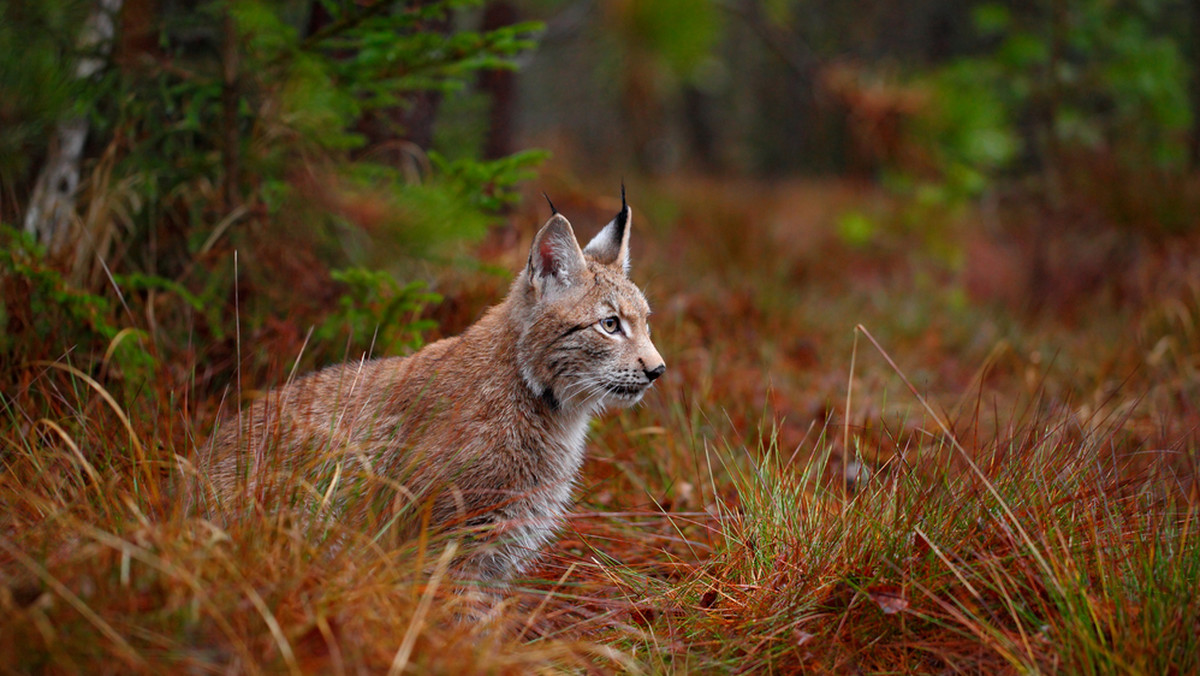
x=960 y=484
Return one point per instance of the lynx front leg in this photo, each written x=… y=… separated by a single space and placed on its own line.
x=498 y=551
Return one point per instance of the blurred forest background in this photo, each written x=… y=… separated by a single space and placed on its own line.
x=143 y=141
x=200 y=198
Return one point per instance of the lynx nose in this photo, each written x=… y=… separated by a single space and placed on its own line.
x=654 y=373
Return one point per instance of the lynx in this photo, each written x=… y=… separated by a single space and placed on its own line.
x=480 y=433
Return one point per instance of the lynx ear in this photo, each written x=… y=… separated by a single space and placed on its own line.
x=555 y=261
x=611 y=245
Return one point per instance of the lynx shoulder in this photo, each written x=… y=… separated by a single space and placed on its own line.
x=483 y=431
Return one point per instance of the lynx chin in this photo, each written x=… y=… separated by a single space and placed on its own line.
x=482 y=433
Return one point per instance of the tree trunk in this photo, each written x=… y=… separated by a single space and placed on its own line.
x=229 y=105
x=501 y=87
x=52 y=205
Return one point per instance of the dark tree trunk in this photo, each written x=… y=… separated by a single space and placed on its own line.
x=702 y=139
x=231 y=146
x=318 y=18
x=501 y=88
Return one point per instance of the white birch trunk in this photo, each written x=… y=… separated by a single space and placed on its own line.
x=52 y=206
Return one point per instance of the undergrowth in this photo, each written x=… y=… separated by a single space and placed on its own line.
x=950 y=487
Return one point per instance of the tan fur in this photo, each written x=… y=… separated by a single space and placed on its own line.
x=484 y=430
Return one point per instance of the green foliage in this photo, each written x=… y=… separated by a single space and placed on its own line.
x=393 y=56
x=1083 y=74
x=381 y=316
x=365 y=58
x=489 y=186
x=252 y=127
x=42 y=316
x=856 y=229
x=38 y=302
x=1088 y=96
x=300 y=99
x=681 y=32
x=460 y=200
x=969 y=128
x=138 y=281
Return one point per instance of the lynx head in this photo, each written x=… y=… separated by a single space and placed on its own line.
x=584 y=341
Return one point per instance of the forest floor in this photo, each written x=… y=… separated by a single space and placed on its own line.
x=890 y=438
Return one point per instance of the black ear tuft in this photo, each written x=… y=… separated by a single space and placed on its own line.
x=622 y=219
x=610 y=246
x=554 y=211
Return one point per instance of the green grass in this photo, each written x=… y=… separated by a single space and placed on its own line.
x=1022 y=492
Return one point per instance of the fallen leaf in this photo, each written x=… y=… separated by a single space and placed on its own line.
x=889 y=599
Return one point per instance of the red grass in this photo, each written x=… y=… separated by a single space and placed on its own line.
x=1023 y=484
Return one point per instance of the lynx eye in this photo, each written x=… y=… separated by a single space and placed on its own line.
x=611 y=325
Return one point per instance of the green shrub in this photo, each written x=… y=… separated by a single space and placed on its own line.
x=249 y=128
x=1088 y=97
x=380 y=315
x=43 y=317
